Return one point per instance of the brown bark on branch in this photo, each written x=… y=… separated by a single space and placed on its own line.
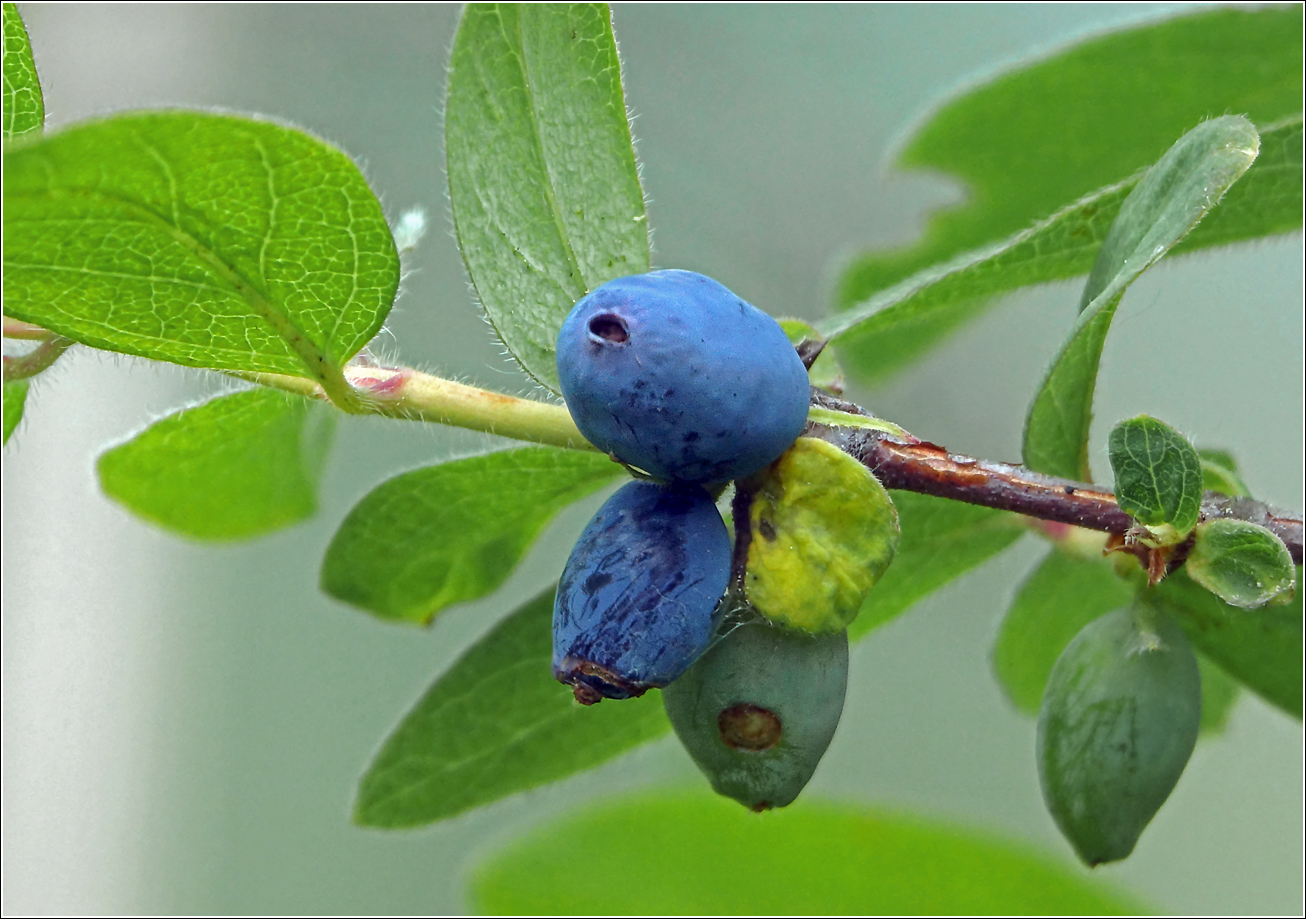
x=911 y=464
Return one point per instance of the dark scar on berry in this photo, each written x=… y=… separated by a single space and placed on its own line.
x=609 y=328
x=748 y=727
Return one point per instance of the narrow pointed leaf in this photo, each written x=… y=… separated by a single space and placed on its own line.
x=941 y=540
x=1261 y=648
x=673 y=856
x=1049 y=131
x=15 y=398
x=233 y=468
x=894 y=325
x=1243 y=564
x=1058 y=598
x=546 y=198
x=1158 y=477
x=205 y=240
x=24 y=106
x=433 y=537
x=1167 y=202
x=497 y=723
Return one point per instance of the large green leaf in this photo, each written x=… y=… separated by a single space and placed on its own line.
x=24 y=107
x=941 y=540
x=1057 y=599
x=1048 y=132
x=433 y=537
x=494 y=724
x=1261 y=648
x=233 y=468
x=546 y=198
x=23 y=111
x=206 y=240
x=15 y=397
x=1166 y=203
x=672 y=856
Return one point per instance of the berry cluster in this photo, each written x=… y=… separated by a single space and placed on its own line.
x=674 y=375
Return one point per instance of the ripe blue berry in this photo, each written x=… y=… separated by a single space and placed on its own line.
x=635 y=604
x=671 y=372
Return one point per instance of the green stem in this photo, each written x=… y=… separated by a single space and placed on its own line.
x=32 y=363
x=401 y=392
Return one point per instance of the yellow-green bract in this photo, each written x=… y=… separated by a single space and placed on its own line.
x=823 y=532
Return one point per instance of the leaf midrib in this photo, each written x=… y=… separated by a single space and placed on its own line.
x=315 y=360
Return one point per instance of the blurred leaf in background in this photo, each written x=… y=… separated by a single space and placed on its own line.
x=1031 y=141
x=661 y=855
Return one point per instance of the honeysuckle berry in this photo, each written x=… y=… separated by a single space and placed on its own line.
x=672 y=373
x=635 y=604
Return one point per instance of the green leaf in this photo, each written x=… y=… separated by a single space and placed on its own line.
x=1260 y=649
x=1055 y=601
x=941 y=540
x=494 y=724
x=1050 y=131
x=1267 y=200
x=205 y=240
x=235 y=467
x=1220 y=473
x=825 y=372
x=1158 y=477
x=1167 y=202
x=24 y=107
x=671 y=856
x=15 y=397
x=892 y=327
x=433 y=537
x=546 y=198
x=1220 y=693
x=1243 y=564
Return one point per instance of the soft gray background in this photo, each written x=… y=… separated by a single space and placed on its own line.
x=183 y=724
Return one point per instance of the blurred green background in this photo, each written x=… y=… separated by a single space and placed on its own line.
x=184 y=724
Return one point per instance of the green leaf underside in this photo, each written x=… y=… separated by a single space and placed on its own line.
x=681 y=855
x=1158 y=474
x=1241 y=563
x=546 y=198
x=206 y=240
x=446 y=534
x=1030 y=140
x=236 y=467
x=24 y=107
x=1262 y=649
x=941 y=540
x=15 y=398
x=1057 y=599
x=495 y=724
x=1166 y=203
